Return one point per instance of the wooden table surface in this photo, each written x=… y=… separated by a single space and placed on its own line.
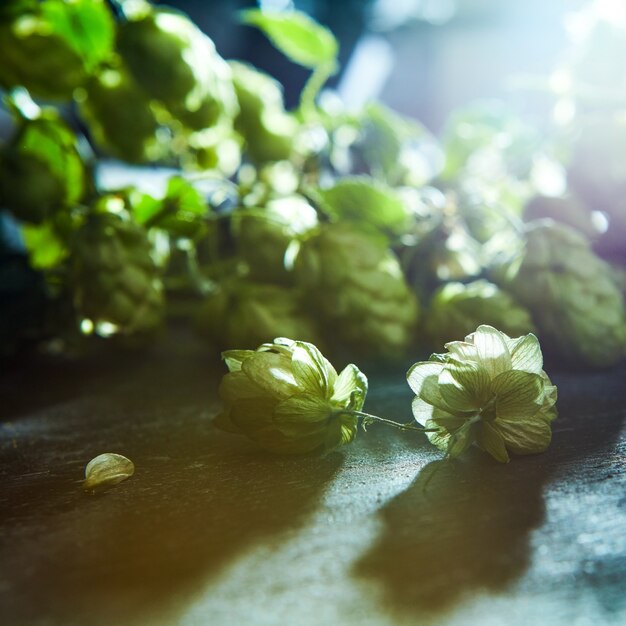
x=212 y=531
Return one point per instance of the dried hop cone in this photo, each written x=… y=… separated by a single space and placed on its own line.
x=356 y=285
x=115 y=279
x=489 y=390
x=289 y=399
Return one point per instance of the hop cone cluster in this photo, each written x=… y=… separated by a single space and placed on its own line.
x=356 y=285
x=115 y=279
x=489 y=390
x=578 y=309
x=288 y=398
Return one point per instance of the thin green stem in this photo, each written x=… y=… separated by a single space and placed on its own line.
x=382 y=420
x=312 y=87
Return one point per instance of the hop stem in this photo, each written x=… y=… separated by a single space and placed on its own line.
x=312 y=87
x=375 y=418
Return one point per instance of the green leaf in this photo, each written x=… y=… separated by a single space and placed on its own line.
x=45 y=249
x=519 y=395
x=187 y=198
x=181 y=211
x=363 y=199
x=86 y=25
x=296 y=35
x=144 y=207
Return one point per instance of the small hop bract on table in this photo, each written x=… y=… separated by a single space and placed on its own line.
x=489 y=390
x=288 y=398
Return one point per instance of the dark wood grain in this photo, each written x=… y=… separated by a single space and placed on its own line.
x=211 y=530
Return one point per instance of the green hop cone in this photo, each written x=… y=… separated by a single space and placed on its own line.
x=176 y=63
x=569 y=210
x=456 y=309
x=289 y=399
x=570 y=292
x=30 y=36
x=41 y=171
x=489 y=390
x=115 y=279
x=262 y=120
x=246 y=314
x=120 y=117
x=51 y=47
x=355 y=284
x=263 y=236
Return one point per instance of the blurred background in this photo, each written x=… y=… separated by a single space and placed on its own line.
x=423 y=58
x=475 y=117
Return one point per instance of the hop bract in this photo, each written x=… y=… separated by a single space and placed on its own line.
x=490 y=390
x=288 y=398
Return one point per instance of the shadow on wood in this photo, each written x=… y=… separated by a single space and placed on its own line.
x=468 y=530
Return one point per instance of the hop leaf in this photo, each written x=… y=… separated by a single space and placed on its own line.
x=363 y=199
x=297 y=36
x=489 y=390
x=289 y=399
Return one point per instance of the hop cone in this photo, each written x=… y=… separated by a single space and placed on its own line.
x=115 y=279
x=174 y=62
x=247 y=314
x=289 y=399
x=578 y=309
x=355 y=284
x=490 y=390
x=128 y=132
x=263 y=236
x=269 y=131
x=41 y=171
x=456 y=309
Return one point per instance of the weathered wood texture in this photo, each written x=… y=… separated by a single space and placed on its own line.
x=212 y=531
